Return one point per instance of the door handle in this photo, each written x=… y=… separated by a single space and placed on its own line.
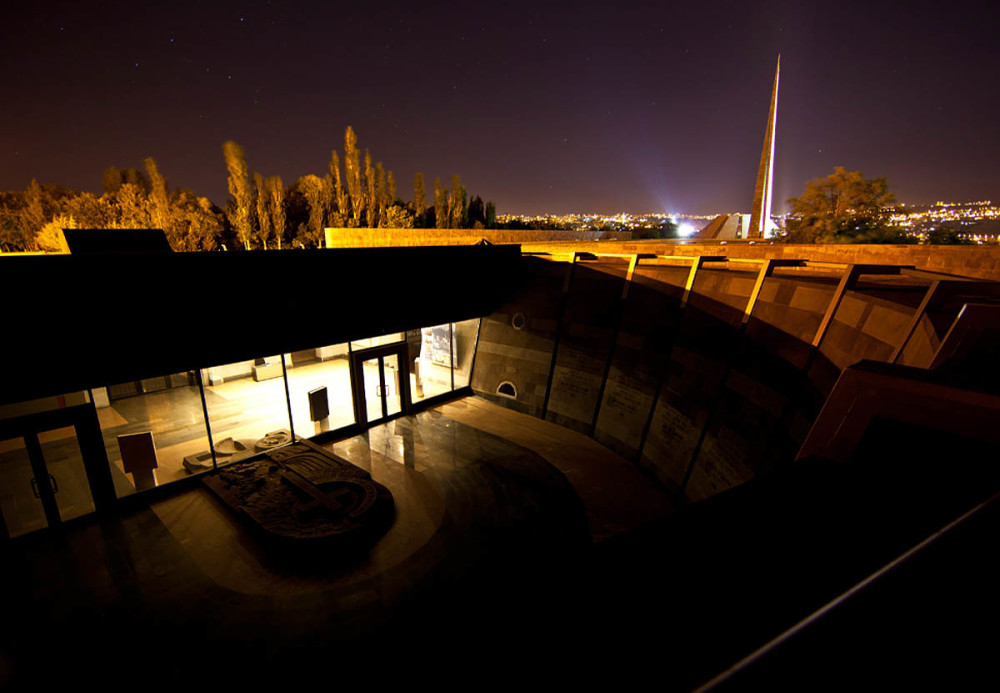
x=53 y=485
x=34 y=488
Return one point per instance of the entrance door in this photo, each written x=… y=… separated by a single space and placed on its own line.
x=45 y=478
x=381 y=381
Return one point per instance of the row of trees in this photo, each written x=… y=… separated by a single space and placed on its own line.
x=261 y=211
x=264 y=214
x=31 y=219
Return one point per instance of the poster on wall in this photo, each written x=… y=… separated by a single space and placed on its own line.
x=435 y=345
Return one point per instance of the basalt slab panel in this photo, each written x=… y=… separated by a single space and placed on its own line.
x=303 y=495
x=947 y=301
x=794 y=305
x=723 y=292
x=649 y=325
x=587 y=333
x=514 y=354
x=766 y=404
x=696 y=370
x=870 y=323
x=750 y=426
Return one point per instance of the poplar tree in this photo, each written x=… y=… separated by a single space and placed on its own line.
x=476 y=215
x=338 y=191
x=159 y=197
x=111 y=180
x=263 y=213
x=312 y=189
x=381 y=193
x=329 y=201
x=370 y=210
x=456 y=204
x=276 y=204
x=352 y=171
x=34 y=216
x=491 y=215
x=239 y=188
x=419 y=195
x=440 y=205
x=391 y=187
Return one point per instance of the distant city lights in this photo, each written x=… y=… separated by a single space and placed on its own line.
x=918 y=219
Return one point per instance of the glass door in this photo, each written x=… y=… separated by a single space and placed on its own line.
x=20 y=494
x=381 y=385
x=43 y=480
x=66 y=472
x=382 y=395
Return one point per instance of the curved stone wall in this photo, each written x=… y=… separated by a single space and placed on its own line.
x=703 y=370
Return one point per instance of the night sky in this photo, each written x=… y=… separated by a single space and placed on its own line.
x=542 y=107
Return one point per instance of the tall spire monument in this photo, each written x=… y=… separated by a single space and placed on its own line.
x=761 y=212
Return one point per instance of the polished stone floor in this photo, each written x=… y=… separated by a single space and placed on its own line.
x=491 y=541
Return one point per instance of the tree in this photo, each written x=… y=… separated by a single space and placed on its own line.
x=89 y=211
x=399 y=217
x=477 y=213
x=111 y=180
x=34 y=214
x=491 y=215
x=276 y=195
x=440 y=205
x=381 y=193
x=419 y=195
x=261 y=199
x=843 y=207
x=239 y=188
x=159 y=197
x=50 y=238
x=370 y=201
x=343 y=207
x=391 y=187
x=942 y=234
x=312 y=189
x=130 y=208
x=352 y=171
x=198 y=224
x=457 y=205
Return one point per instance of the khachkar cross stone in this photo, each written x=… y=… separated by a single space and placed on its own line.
x=303 y=494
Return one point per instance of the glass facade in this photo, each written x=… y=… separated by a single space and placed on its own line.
x=20 y=501
x=247 y=407
x=319 y=389
x=168 y=409
x=464 y=344
x=441 y=361
x=381 y=340
x=166 y=428
x=43 y=479
x=67 y=476
x=432 y=371
x=43 y=404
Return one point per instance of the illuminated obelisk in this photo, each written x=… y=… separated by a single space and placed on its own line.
x=760 y=215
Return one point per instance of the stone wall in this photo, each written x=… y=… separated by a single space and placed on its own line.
x=968 y=261
x=379 y=238
x=682 y=367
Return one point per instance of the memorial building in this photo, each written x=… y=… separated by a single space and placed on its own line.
x=721 y=440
